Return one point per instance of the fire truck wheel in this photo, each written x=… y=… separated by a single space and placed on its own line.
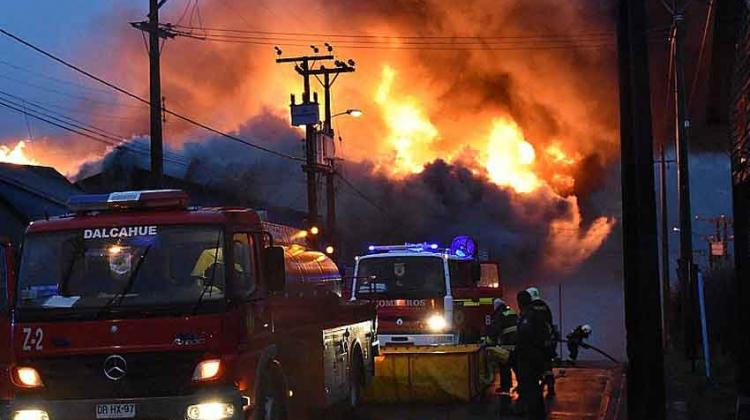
x=271 y=400
x=356 y=379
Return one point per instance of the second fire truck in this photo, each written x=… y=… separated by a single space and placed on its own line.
x=427 y=295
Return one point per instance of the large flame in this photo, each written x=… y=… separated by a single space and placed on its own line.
x=506 y=157
x=16 y=154
x=411 y=133
x=509 y=158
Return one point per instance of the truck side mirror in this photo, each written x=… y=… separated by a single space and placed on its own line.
x=274 y=268
x=7 y=277
x=476 y=272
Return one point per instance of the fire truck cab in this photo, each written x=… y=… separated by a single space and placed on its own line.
x=137 y=306
x=427 y=295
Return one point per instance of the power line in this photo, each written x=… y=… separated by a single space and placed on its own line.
x=66 y=94
x=417 y=47
x=389 y=40
x=54 y=79
x=704 y=38
x=335 y=35
x=360 y=194
x=78 y=129
x=140 y=99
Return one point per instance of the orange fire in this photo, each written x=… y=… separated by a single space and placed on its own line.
x=411 y=133
x=16 y=155
x=508 y=160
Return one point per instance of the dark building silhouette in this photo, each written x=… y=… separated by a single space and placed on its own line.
x=28 y=193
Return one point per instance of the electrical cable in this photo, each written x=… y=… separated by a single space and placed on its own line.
x=361 y=195
x=140 y=99
x=699 y=65
x=79 y=130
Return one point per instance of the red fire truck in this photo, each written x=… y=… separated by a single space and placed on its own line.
x=426 y=295
x=137 y=306
x=6 y=276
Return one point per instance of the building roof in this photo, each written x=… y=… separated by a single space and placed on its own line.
x=32 y=192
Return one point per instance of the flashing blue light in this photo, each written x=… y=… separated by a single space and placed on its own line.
x=371 y=248
x=463 y=246
x=433 y=246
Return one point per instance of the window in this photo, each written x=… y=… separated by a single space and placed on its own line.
x=462 y=273
x=490 y=275
x=169 y=266
x=401 y=277
x=244 y=269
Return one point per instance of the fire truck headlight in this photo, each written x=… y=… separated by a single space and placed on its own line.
x=210 y=411
x=207 y=370
x=27 y=377
x=436 y=323
x=30 y=415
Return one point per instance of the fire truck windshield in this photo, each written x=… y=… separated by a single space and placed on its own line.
x=401 y=277
x=91 y=270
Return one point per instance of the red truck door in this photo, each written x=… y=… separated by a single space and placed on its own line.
x=6 y=283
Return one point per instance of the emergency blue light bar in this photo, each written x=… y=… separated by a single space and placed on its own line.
x=461 y=246
x=128 y=200
x=424 y=246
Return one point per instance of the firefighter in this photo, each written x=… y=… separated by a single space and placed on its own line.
x=538 y=304
x=502 y=337
x=532 y=355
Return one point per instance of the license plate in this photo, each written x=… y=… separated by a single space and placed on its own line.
x=115 y=411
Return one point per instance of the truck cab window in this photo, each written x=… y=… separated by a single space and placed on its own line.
x=461 y=274
x=244 y=268
x=490 y=275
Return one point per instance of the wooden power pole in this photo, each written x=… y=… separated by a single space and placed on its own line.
x=314 y=164
x=645 y=391
x=155 y=34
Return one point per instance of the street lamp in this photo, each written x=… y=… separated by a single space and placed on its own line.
x=354 y=112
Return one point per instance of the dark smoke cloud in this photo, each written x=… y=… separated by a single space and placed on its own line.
x=442 y=202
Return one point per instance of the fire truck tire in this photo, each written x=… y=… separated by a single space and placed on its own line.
x=271 y=402
x=356 y=379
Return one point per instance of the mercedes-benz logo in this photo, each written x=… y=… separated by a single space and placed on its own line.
x=115 y=367
x=399 y=322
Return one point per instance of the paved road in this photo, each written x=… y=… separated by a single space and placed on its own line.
x=590 y=392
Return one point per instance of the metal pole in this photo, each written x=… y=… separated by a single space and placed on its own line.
x=560 y=314
x=330 y=184
x=311 y=155
x=704 y=328
x=666 y=289
x=682 y=125
x=646 y=393
x=157 y=147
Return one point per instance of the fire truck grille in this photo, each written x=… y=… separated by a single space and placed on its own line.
x=146 y=374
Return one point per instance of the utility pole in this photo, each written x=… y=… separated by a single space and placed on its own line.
x=646 y=393
x=316 y=161
x=666 y=292
x=327 y=83
x=155 y=33
x=682 y=126
x=303 y=68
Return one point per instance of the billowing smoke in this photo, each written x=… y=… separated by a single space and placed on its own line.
x=554 y=78
x=531 y=233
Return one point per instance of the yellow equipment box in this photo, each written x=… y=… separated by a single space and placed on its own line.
x=444 y=373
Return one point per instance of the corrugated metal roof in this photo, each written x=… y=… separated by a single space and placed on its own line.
x=33 y=191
